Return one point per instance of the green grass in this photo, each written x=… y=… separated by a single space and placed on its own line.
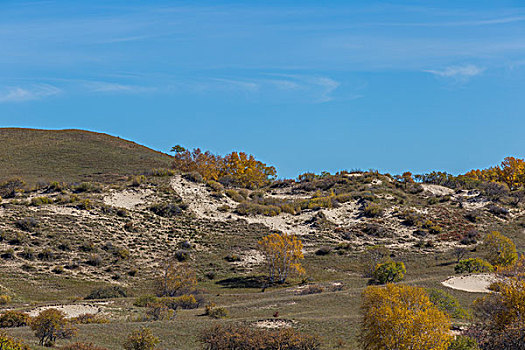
x=72 y=156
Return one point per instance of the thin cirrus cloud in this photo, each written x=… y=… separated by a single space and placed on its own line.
x=31 y=93
x=273 y=87
x=459 y=73
x=109 y=87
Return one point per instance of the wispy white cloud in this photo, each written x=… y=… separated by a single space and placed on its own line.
x=459 y=73
x=109 y=87
x=31 y=93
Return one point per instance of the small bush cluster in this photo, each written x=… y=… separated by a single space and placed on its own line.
x=215 y=311
x=38 y=201
x=107 y=293
x=473 y=265
x=142 y=339
x=372 y=210
x=245 y=338
x=28 y=224
x=389 y=272
x=168 y=209
x=13 y=318
x=5 y=299
x=447 y=303
x=186 y=301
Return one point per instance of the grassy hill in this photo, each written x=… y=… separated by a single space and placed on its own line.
x=72 y=156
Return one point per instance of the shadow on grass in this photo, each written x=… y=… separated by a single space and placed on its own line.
x=245 y=282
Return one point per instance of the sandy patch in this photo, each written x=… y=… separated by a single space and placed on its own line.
x=72 y=310
x=437 y=190
x=477 y=283
x=128 y=199
x=273 y=324
x=250 y=258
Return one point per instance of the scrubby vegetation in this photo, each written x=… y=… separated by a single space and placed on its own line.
x=217 y=243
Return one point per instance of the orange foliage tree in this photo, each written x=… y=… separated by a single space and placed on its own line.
x=511 y=172
x=283 y=253
x=243 y=168
x=403 y=318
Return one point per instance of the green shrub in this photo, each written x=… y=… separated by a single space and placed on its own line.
x=215 y=311
x=372 y=210
x=5 y=299
x=473 y=265
x=446 y=303
x=215 y=186
x=462 y=342
x=235 y=195
x=136 y=181
x=168 y=209
x=13 y=318
x=122 y=253
x=87 y=187
x=38 y=201
x=223 y=208
x=159 y=312
x=389 y=272
x=248 y=208
x=85 y=204
x=108 y=293
x=186 y=301
x=142 y=339
x=146 y=300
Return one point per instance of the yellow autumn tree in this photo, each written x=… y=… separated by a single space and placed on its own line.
x=400 y=317
x=499 y=250
x=283 y=253
x=175 y=279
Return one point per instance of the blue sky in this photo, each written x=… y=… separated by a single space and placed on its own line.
x=303 y=85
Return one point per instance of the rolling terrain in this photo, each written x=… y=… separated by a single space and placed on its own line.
x=94 y=214
x=72 y=156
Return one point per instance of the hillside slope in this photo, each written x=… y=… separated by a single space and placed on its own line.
x=72 y=156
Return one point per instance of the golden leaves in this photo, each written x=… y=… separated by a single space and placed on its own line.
x=402 y=318
x=283 y=253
